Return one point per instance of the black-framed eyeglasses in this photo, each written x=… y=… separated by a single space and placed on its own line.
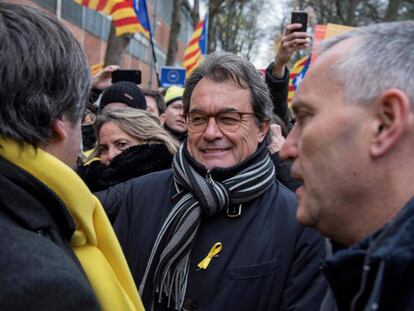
x=88 y=118
x=227 y=121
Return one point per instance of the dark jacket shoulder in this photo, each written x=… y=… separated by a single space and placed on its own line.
x=38 y=267
x=38 y=274
x=113 y=198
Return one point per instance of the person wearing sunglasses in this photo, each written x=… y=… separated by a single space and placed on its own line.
x=220 y=230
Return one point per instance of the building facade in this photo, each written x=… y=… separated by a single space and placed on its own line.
x=92 y=29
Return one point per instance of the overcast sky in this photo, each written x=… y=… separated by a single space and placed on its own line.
x=270 y=18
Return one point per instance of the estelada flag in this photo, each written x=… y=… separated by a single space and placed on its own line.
x=297 y=74
x=131 y=16
x=128 y=16
x=197 y=47
x=104 y=6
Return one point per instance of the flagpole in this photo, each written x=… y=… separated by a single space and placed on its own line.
x=153 y=62
x=207 y=24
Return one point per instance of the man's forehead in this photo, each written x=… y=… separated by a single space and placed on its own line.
x=221 y=93
x=176 y=104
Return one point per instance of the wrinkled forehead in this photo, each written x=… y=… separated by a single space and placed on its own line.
x=219 y=94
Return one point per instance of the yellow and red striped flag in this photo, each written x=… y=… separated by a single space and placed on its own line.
x=128 y=16
x=131 y=16
x=197 y=47
x=104 y=6
x=297 y=74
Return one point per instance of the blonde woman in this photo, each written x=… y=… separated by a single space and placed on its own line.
x=130 y=143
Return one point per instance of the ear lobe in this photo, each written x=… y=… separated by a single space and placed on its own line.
x=393 y=110
x=263 y=129
x=162 y=118
x=59 y=130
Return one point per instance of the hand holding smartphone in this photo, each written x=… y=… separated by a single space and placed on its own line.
x=300 y=17
x=126 y=75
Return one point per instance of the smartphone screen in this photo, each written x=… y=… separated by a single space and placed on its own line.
x=127 y=75
x=300 y=17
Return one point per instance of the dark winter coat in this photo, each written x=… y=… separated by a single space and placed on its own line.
x=133 y=162
x=268 y=261
x=377 y=273
x=279 y=90
x=38 y=268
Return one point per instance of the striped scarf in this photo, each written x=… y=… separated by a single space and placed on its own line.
x=168 y=266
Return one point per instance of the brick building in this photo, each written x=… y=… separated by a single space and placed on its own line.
x=92 y=30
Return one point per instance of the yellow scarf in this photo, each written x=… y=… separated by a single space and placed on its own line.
x=94 y=241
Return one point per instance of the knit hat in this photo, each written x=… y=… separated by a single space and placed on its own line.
x=173 y=93
x=124 y=92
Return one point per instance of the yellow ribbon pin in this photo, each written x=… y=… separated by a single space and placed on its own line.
x=213 y=252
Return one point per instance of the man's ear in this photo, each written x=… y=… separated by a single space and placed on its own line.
x=59 y=130
x=263 y=129
x=392 y=114
x=162 y=118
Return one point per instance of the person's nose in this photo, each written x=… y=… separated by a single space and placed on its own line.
x=289 y=150
x=181 y=113
x=212 y=131
x=112 y=153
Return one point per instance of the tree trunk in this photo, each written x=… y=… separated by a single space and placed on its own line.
x=174 y=33
x=392 y=10
x=116 y=47
x=213 y=15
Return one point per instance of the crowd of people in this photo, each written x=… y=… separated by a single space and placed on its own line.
x=114 y=197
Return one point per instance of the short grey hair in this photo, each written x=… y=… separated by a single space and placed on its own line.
x=382 y=58
x=44 y=74
x=225 y=66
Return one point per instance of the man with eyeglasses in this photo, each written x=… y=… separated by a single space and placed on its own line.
x=218 y=232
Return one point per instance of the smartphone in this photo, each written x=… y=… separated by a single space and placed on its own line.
x=127 y=75
x=300 y=17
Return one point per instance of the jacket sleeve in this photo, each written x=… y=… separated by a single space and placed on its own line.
x=113 y=197
x=279 y=90
x=306 y=287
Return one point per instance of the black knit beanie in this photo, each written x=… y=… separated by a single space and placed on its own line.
x=124 y=92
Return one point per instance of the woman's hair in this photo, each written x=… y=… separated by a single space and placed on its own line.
x=140 y=124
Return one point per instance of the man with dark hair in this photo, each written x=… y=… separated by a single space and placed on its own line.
x=58 y=250
x=173 y=116
x=353 y=147
x=220 y=231
x=155 y=102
